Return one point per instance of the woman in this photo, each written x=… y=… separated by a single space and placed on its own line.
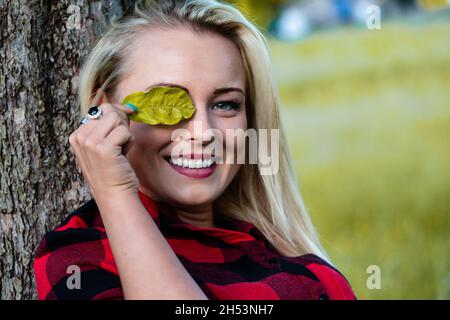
x=169 y=229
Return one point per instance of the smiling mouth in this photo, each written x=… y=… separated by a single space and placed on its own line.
x=192 y=168
x=191 y=163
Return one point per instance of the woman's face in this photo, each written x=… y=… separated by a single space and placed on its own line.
x=209 y=66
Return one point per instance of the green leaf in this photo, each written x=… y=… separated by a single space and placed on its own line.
x=161 y=105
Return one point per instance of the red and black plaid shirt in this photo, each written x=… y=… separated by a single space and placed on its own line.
x=232 y=261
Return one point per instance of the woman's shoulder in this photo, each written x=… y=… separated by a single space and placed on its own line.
x=335 y=283
x=80 y=244
x=80 y=225
x=86 y=215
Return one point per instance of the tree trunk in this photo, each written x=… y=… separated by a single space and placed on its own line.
x=42 y=44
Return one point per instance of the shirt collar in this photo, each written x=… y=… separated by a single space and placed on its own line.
x=229 y=230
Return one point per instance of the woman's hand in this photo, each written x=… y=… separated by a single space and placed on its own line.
x=100 y=147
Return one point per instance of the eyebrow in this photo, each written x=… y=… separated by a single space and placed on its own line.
x=216 y=91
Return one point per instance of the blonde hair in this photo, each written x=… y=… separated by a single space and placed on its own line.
x=271 y=202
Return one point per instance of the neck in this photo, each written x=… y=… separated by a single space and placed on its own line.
x=199 y=216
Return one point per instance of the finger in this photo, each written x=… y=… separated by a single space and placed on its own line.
x=119 y=136
x=125 y=108
x=125 y=111
x=85 y=130
x=71 y=149
x=74 y=148
x=105 y=125
x=127 y=146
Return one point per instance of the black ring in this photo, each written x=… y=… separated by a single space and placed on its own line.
x=95 y=113
x=93 y=110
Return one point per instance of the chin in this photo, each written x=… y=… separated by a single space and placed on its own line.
x=194 y=196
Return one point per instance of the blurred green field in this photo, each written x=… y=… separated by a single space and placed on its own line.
x=368 y=119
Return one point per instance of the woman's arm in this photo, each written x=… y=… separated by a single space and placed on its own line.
x=148 y=267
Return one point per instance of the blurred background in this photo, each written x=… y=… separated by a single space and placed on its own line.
x=365 y=101
x=366 y=105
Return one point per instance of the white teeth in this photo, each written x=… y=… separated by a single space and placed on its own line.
x=192 y=163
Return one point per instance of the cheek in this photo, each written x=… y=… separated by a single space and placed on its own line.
x=230 y=128
x=148 y=139
x=237 y=122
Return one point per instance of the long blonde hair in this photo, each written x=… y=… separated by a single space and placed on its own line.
x=271 y=202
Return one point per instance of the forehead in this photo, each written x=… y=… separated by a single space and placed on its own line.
x=180 y=55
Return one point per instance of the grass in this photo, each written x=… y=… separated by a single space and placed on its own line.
x=368 y=119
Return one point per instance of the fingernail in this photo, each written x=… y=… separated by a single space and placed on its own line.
x=132 y=106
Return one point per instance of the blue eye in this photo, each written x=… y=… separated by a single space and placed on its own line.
x=227 y=105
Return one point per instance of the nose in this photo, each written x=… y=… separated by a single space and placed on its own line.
x=200 y=126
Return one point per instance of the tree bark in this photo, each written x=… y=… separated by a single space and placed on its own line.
x=42 y=44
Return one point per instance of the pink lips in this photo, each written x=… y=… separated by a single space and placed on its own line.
x=196 y=173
